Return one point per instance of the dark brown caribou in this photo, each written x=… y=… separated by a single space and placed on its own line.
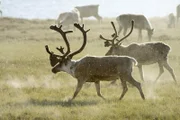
x=145 y=53
x=92 y=68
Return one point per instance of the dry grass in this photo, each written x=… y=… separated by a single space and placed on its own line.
x=29 y=90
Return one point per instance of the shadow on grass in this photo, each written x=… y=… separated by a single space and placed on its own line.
x=62 y=103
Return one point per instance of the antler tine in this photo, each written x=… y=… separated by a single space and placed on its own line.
x=82 y=25
x=115 y=34
x=64 y=37
x=104 y=38
x=84 y=32
x=60 y=49
x=81 y=28
x=47 y=49
x=51 y=53
x=132 y=23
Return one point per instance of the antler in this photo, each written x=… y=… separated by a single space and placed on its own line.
x=115 y=36
x=51 y=53
x=132 y=22
x=60 y=49
x=66 y=55
x=47 y=50
x=65 y=39
x=84 y=32
x=107 y=43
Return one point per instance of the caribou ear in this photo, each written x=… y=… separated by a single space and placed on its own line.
x=54 y=59
x=113 y=35
x=107 y=44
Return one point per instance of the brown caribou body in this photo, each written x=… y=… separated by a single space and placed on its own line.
x=92 y=68
x=145 y=53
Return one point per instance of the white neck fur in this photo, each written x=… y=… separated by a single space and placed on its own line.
x=69 y=68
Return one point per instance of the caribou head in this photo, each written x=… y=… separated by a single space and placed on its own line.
x=59 y=62
x=114 y=42
x=150 y=33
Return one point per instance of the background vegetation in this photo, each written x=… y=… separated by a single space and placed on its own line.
x=29 y=90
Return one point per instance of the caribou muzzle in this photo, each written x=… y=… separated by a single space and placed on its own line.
x=54 y=70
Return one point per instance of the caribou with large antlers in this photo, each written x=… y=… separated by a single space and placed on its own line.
x=92 y=68
x=145 y=53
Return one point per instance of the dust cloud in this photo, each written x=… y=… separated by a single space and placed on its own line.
x=47 y=81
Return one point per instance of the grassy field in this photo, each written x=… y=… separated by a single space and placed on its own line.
x=29 y=90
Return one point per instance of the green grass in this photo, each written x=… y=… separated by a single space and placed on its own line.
x=29 y=90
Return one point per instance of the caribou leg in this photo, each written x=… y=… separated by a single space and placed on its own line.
x=141 y=72
x=124 y=85
x=131 y=80
x=113 y=82
x=82 y=20
x=1 y=12
x=161 y=70
x=97 y=85
x=177 y=19
x=99 y=18
x=167 y=66
x=78 y=88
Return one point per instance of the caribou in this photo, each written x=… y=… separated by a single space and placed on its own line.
x=92 y=68
x=67 y=18
x=1 y=10
x=171 y=19
x=178 y=12
x=88 y=11
x=145 y=53
x=141 y=23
